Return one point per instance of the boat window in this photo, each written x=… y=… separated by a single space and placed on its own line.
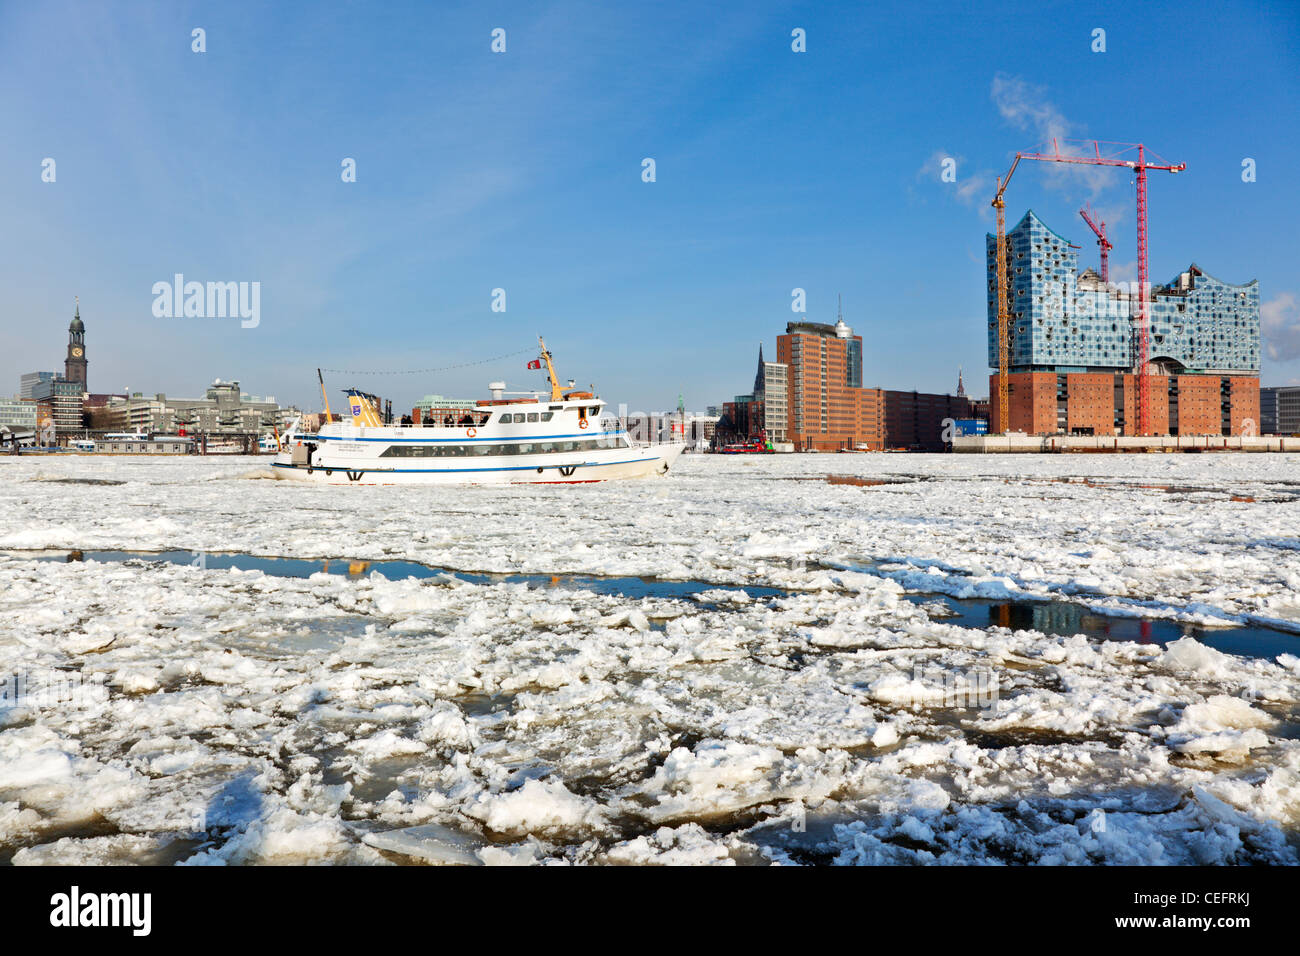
x=532 y=416
x=547 y=416
x=519 y=418
x=504 y=449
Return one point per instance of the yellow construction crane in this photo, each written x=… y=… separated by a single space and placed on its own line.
x=1004 y=340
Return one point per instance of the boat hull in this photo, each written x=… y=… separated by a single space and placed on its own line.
x=603 y=465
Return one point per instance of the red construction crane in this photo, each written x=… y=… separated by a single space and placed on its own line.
x=1089 y=153
x=1105 y=245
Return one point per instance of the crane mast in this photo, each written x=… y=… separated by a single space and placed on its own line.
x=1004 y=335
x=1105 y=245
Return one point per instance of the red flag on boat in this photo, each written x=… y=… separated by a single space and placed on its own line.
x=535 y=363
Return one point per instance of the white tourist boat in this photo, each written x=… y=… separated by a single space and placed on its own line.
x=500 y=441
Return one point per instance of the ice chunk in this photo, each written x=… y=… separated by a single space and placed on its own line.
x=431 y=842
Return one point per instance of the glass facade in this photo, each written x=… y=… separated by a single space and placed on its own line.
x=1064 y=321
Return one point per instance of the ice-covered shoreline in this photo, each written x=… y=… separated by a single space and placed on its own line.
x=251 y=718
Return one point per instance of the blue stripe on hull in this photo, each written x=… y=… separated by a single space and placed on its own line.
x=418 y=471
x=462 y=440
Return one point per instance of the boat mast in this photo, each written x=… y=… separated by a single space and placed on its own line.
x=550 y=370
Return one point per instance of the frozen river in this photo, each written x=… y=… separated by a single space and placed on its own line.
x=952 y=659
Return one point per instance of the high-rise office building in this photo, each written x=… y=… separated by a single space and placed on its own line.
x=28 y=382
x=1279 y=410
x=63 y=398
x=828 y=408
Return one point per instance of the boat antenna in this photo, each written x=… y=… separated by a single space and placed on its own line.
x=328 y=416
x=550 y=370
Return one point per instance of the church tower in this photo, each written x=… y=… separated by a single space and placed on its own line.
x=74 y=366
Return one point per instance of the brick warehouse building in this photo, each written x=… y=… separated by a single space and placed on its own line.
x=812 y=397
x=1072 y=354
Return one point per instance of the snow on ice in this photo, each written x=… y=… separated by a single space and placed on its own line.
x=792 y=702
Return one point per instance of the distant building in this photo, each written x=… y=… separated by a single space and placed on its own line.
x=1279 y=410
x=649 y=427
x=74 y=365
x=772 y=392
x=18 y=413
x=59 y=398
x=63 y=399
x=828 y=408
x=916 y=420
x=29 y=381
x=224 y=409
x=813 y=398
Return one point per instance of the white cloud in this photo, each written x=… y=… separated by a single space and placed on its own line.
x=1279 y=327
x=1027 y=107
x=1124 y=272
x=973 y=189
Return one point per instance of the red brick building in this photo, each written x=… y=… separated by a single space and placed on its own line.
x=1104 y=403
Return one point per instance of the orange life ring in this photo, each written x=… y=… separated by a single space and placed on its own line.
x=582 y=423
x=471 y=432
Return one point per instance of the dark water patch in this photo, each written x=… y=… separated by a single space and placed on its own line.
x=485 y=705
x=1271 y=492
x=80 y=481
x=861 y=482
x=394 y=570
x=1030 y=737
x=1065 y=618
x=890 y=567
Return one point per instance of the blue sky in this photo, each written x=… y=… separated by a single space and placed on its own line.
x=522 y=171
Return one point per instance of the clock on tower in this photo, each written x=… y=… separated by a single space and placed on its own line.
x=74 y=366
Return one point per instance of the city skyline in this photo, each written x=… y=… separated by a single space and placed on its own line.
x=821 y=170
